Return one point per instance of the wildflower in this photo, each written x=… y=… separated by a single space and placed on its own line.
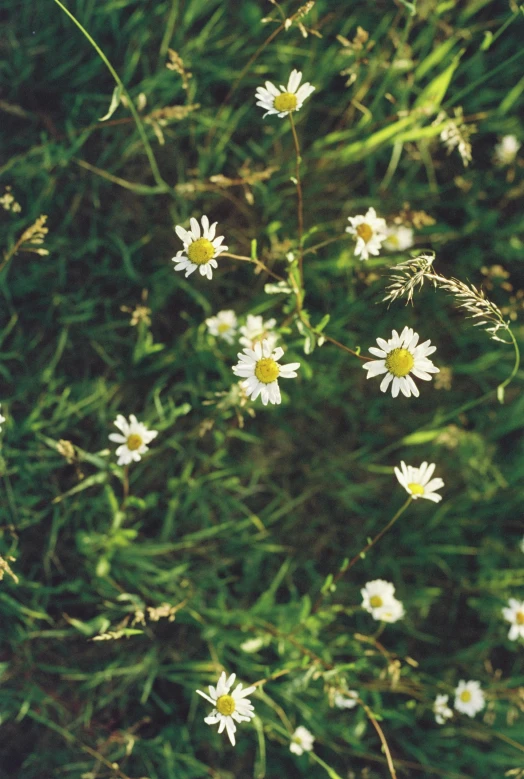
x=506 y=150
x=469 y=698
x=228 y=709
x=378 y=598
x=260 y=368
x=416 y=481
x=134 y=439
x=2 y=419
x=399 y=357
x=515 y=614
x=223 y=325
x=256 y=330
x=201 y=248
x=370 y=231
x=521 y=545
x=286 y=99
x=441 y=709
x=301 y=741
x=398 y=238
x=346 y=700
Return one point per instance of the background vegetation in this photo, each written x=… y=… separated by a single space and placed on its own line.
x=237 y=520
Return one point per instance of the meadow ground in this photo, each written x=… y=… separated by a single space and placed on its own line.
x=234 y=543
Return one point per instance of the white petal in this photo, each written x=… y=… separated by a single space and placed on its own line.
x=385 y=381
x=195 y=228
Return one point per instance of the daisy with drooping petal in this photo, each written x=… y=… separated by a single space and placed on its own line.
x=301 y=741
x=286 y=99
x=370 y=232
x=2 y=419
x=134 y=439
x=260 y=369
x=469 y=698
x=506 y=150
x=398 y=238
x=514 y=613
x=378 y=598
x=223 y=325
x=398 y=358
x=201 y=247
x=256 y=330
x=418 y=482
x=346 y=700
x=441 y=709
x=228 y=708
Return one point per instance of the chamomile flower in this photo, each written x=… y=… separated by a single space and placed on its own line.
x=2 y=419
x=441 y=709
x=469 y=698
x=346 y=700
x=391 y=611
x=301 y=741
x=370 y=232
x=418 y=482
x=378 y=598
x=286 y=99
x=228 y=708
x=260 y=369
x=201 y=248
x=506 y=150
x=223 y=325
x=514 y=613
x=256 y=330
x=133 y=440
x=398 y=238
x=398 y=358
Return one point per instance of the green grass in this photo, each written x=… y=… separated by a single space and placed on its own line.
x=239 y=520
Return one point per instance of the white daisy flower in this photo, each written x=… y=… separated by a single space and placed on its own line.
x=389 y=612
x=378 y=598
x=301 y=741
x=370 y=232
x=201 y=248
x=260 y=369
x=441 y=709
x=398 y=238
x=506 y=150
x=346 y=700
x=514 y=613
x=256 y=330
x=286 y=99
x=228 y=708
x=469 y=698
x=399 y=357
x=2 y=419
x=223 y=325
x=134 y=439
x=416 y=481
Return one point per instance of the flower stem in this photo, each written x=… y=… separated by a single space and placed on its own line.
x=502 y=387
x=300 y=203
x=256 y=262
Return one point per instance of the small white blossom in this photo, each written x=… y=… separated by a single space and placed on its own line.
x=378 y=598
x=418 y=482
x=228 y=708
x=441 y=709
x=398 y=358
x=370 y=232
x=506 y=150
x=301 y=741
x=134 y=439
x=256 y=330
x=469 y=698
x=260 y=369
x=286 y=99
x=514 y=613
x=398 y=238
x=201 y=248
x=223 y=325
x=346 y=700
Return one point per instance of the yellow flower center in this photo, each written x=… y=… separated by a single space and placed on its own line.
x=134 y=441
x=224 y=327
x=226 y=705
x=285 y=102
x=267 y=370
x=416 y=489
x=365 y=232
x=201 y=251
x=399 y=362
x=519 y=617
x=375 y=601
x=465 y=696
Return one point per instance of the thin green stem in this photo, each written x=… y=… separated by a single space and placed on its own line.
x=314 y=248
x=300 y=202
x=516 y=366
x=140 y=126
